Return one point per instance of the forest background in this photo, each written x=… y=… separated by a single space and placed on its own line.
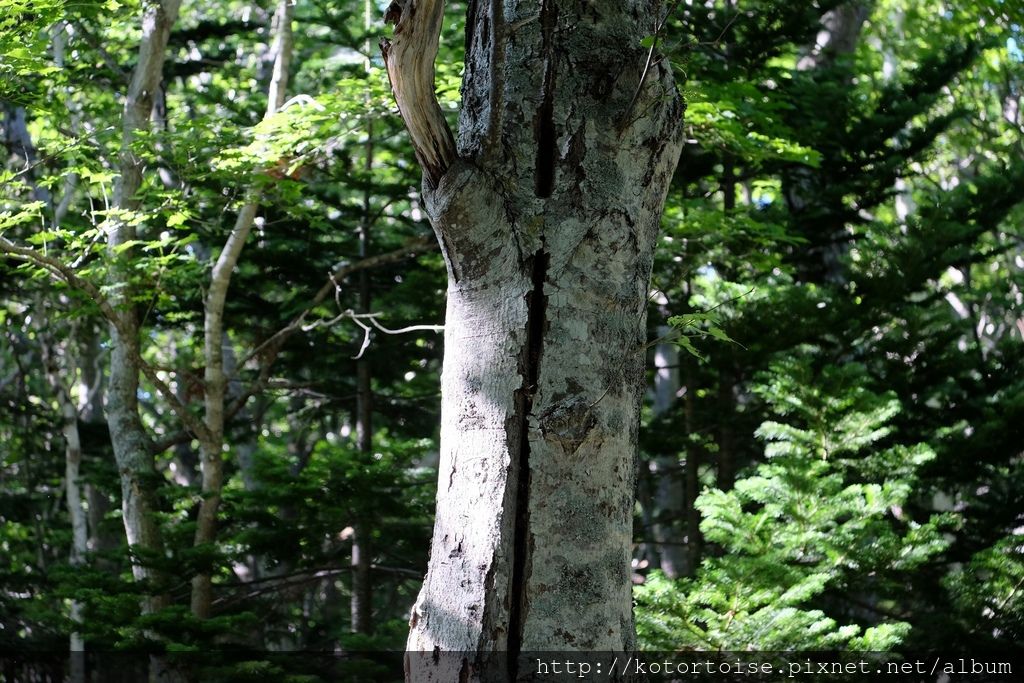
x=238 y=278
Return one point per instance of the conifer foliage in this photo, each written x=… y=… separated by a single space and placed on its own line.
x=816 y=528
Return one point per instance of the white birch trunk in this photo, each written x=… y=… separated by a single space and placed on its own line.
x=215 y=380
x=548 y=221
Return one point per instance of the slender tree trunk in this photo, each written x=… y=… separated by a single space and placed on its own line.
x=694 y=538
x=726 y=450
x=89 y=409
x=58 y=378
x=19 y=141
x=725 y=455
x=729 y=184
x=726 y=436
x=132 y=447
x=246 y=448
x=362 y=588
x=547 y=218
x=669 y=498
x=91 y=389
x=211 y=447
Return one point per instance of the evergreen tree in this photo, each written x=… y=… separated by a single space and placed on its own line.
x=817 y=545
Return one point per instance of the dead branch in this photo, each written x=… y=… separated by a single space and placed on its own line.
x=409 y=58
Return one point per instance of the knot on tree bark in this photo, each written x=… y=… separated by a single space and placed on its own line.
x=568 y=423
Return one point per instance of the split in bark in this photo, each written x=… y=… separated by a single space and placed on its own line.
x=548 y=234
x=536 y=312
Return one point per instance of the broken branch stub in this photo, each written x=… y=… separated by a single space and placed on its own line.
x=409 y=58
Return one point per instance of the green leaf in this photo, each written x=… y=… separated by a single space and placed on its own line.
x=685 y=342
x=177 y=219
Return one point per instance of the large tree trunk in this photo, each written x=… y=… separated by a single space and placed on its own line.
x=548 y=219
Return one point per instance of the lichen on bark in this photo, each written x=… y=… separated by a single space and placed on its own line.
x=548 y=230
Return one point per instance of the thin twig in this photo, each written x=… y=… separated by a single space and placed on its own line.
x=372 y=317
x=649 y=62
x=340 y=272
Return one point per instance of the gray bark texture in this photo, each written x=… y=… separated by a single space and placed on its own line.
x=131 y=443
x=547 y=218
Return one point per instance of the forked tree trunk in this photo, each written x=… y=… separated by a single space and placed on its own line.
x=131 y=443
x=547 y=217
x=215 y=379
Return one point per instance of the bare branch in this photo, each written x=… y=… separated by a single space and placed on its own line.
x=409 y=59
x=357 y=318
x=413 y=247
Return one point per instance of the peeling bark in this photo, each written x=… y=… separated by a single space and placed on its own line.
x=548 y=233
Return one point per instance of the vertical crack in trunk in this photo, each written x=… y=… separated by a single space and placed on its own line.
x=544 y=122
x=536 y=322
